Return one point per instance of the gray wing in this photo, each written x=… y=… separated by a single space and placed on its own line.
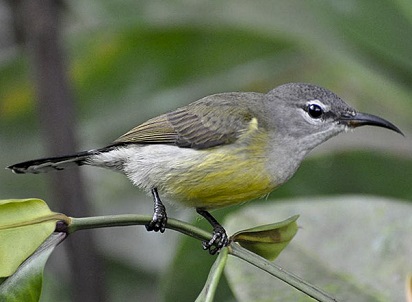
x=212 y=121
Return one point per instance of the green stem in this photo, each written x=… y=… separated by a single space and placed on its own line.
x=215 y=274
x=280 y=273
x=85 y=223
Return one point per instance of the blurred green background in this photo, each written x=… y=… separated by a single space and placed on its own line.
x=131 y=60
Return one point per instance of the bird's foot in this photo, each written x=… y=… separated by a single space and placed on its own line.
x=158 y=222
x=219 y=240
x=159 y=219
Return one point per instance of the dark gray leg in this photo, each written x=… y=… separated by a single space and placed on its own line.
x=159 y=220
x=219 y=239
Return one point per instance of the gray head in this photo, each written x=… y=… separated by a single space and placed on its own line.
x=311 y=114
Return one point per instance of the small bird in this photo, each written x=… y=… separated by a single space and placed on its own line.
x=221 y=150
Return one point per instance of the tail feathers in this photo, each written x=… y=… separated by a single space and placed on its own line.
x=53 y=163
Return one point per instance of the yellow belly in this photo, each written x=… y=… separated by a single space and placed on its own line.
x=224 y=176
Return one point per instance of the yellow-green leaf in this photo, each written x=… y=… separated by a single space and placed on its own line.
x=268 y=240
x=26 y=283
x=24 y=225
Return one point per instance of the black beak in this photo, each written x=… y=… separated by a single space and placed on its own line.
x=363 y=119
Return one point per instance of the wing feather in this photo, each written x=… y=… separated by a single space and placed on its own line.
x=157 y=130
x=211 y=121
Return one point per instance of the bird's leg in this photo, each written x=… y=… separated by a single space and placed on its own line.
x=219 y=239
x=159 y=220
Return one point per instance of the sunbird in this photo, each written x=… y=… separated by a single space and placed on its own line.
x=221 y=150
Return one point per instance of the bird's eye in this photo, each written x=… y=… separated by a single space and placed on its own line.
x=315 y=111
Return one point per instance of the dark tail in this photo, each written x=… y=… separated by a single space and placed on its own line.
x=53 y=163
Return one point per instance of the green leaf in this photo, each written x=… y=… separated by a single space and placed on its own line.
x=280 y=273
x=355 y=248
x=209 y=290
x=268 y=240
x=24 y=225
x=26 y=283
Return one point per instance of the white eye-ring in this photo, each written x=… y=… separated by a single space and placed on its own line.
x=314 y=110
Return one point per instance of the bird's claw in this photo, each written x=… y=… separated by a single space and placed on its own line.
x=219 y=240
x=158 y=222
x=159 y=219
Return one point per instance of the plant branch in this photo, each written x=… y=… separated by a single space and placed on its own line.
x=85 y=223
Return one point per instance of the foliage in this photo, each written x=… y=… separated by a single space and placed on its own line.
x=268 y=240
x=24 y=281
x=24 y=225
x=25 y=284
x=356 y=248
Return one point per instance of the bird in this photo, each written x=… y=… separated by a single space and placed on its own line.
x=221 y=150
